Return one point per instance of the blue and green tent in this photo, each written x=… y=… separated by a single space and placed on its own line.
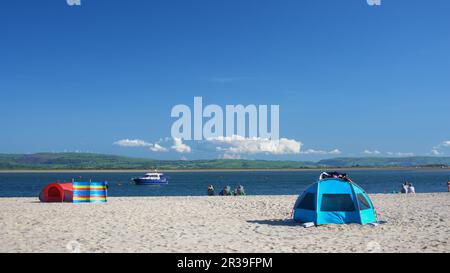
x=334 y=201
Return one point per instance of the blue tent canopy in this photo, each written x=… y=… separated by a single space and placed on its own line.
x=334 y=201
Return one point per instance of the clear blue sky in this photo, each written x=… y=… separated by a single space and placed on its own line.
x=346 y=75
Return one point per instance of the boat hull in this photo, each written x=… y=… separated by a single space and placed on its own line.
x=139 y=181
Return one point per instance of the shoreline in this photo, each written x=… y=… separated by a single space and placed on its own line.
x=228 y=170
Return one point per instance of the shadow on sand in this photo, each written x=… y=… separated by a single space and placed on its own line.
x=275 y=222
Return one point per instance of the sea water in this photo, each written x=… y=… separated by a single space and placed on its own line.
x=255 y=183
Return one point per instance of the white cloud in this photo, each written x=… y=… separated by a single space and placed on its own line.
x=73 y=2
x=158 y=148
x=445 y=143
x=400 y=154
x=436 y=152
x=230 y=156
x=140 y=143
x=335 y=152
x=321 y=152
x=180 y=147
x=234 y=145
x=405 y=154
x=314 y=152
x=132 y=143
x=374 y=152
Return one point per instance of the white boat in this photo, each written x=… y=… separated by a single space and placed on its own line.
x=154 y=178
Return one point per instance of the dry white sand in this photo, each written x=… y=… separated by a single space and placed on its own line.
x=419 y=223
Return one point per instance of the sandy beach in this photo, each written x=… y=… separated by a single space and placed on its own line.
x=419 y=223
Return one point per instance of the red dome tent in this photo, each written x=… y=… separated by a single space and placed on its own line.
x=56 y=192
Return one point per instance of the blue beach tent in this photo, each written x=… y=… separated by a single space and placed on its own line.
x=334 y=199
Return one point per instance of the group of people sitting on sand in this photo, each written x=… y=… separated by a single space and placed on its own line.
x=226 y=191
x=408 y=188
x=327 y=175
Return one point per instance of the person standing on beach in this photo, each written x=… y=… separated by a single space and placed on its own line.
x=448 y=185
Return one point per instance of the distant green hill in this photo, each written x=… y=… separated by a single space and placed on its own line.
x=87 y=161
x=416 y=161
x=69 y=161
